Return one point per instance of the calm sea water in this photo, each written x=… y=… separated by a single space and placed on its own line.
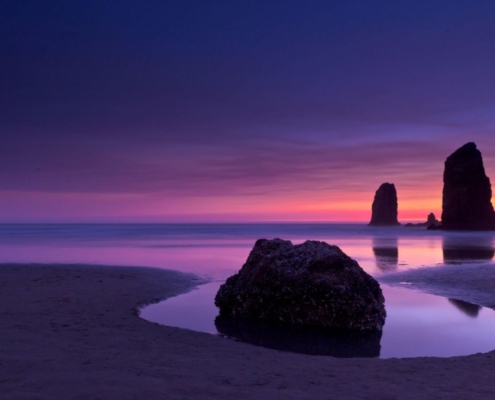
x=417 y=324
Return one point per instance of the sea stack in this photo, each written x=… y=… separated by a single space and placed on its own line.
x=385 y=206
x=467 y=192
x=431 y=219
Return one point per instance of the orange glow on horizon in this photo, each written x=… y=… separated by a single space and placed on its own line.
x=308 y=206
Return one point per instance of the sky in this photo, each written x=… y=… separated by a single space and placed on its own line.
x=281 y=110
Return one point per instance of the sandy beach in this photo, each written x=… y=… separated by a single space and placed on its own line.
x=471 y=283
x=73 y=332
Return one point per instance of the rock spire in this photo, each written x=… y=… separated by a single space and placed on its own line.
x=467 y=192
x=384 y=210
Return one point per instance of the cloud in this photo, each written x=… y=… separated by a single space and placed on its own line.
x=217 y=102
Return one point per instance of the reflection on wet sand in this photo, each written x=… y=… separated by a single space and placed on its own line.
x=386 y=251
x=302 y=339
x=470 y=309
x=457 y=250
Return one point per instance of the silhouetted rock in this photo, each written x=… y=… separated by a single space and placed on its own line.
x=385 y=206
x=467 y=192
x=434 y=227
x=311 y=284
x=431 y=219
x=431 y=223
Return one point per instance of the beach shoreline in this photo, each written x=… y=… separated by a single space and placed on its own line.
x=473 y=283
x=73 y=332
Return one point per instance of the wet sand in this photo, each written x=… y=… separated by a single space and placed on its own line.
x=472 y=283
x=72 y=332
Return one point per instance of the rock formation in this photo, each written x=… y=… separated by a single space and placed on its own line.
x=431 y=222
x=385 y=206
x=310 y=284
x=467 y=192
x=431 y=219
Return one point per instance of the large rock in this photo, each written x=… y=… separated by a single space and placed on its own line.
x=312 y=284
x=467 y=192
x=385 y=206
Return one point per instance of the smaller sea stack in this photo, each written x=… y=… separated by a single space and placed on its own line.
x=467 y=192
x=431 y=219
x=385 y=206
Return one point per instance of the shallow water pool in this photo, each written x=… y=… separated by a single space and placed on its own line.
x=417 y=325
x=216 y=251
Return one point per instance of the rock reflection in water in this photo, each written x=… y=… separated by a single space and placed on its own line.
x=456 y=250
x=303 y=340
x=470 y=309
x=386 y=251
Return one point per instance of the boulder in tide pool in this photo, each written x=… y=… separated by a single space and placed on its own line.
x=310 y=284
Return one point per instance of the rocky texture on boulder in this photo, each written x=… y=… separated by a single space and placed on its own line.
x=310 y=284
x=467 y=192
x=385 y=206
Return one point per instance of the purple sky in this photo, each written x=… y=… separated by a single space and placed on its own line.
x=283 y=110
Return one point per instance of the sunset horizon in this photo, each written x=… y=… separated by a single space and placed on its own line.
x=240 y=112
x=416 y=201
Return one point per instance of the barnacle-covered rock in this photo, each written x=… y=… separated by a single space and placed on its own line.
x=313 y=284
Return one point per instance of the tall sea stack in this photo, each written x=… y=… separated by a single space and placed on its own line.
x=385 y=206
x=467 y=192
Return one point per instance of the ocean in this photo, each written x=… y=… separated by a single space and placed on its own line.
x=216 y=251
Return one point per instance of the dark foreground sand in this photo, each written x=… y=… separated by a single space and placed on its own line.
x=73 y=333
